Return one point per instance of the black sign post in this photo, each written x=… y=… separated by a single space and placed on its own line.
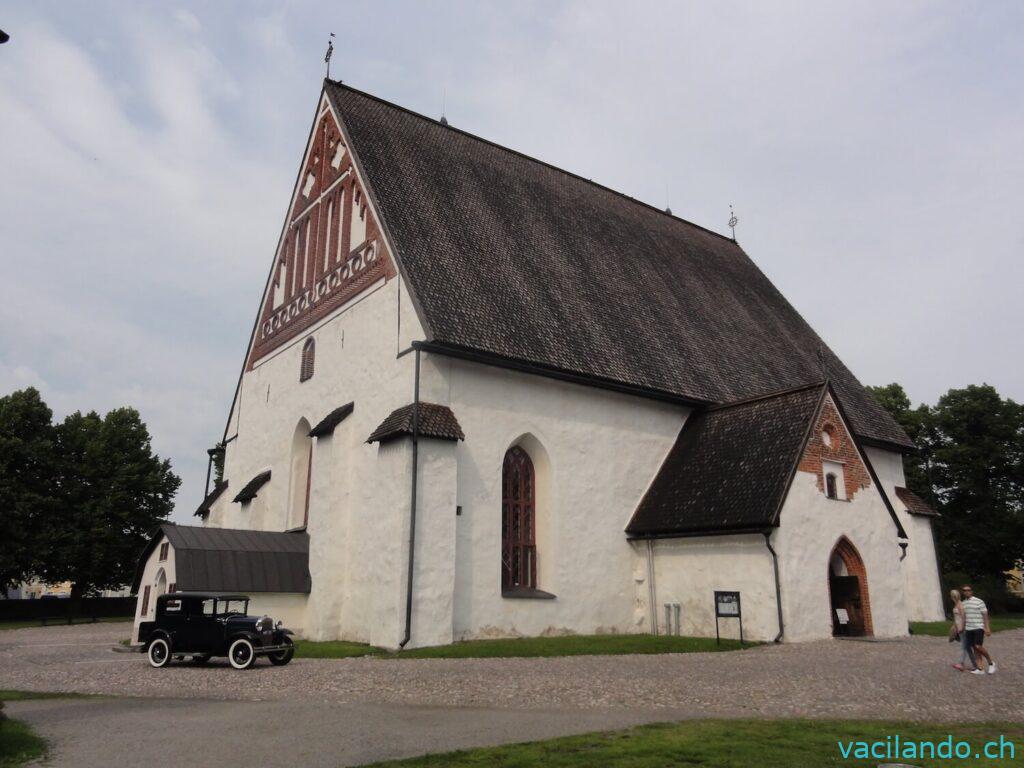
x=727 y=606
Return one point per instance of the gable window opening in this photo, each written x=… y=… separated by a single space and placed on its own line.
x=830 y=486
x=308 y=359
x=518 y=512
x=163 y=550
x=145 y=601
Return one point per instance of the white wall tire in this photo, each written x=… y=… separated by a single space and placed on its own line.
x=242 y=653
x=159 y=653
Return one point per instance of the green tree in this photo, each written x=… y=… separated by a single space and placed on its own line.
x=112 y=491
x=970 y=464
x=26 y=481
x=978 y=478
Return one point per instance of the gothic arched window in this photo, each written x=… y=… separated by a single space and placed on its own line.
x=518 y=521
x=308 y=356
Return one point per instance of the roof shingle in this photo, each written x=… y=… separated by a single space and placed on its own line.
x=248 y=492
x=512 y=257
x=233 y=560
x=730 y=467
x=436 y=421
x=331 y=420
x=915 y=504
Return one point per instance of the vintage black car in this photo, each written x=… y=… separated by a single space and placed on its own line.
x=200 y=625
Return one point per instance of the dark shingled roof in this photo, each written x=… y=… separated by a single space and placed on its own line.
x=435 y=421
x=204 y=509
x=512 y=257
x=233 y=560
x=915 y=504
x=248 y=493
x=331 y=420
x=730 y=467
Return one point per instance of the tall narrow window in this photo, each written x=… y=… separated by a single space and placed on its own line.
x=518 y=522
x=145 y=601
x=163 y=550
x=308 y=357
x=830 y=486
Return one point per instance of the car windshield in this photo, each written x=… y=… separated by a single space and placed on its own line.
x=232 y=607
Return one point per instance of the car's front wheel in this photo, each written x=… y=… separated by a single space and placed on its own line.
x=281 y=658
x=159 y=653
x=242 y=654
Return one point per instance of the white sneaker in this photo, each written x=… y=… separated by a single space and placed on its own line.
x=992 y=668
x=977 y=672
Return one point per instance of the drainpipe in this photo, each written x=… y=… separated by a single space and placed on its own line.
x=412 y=503
x=778 y=586
x=652 y=593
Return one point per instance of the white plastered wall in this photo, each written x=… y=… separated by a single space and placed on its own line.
x=602 y=449
x=688 y=571
x=920 y=567
x=150 y=575
x=286 y=607
x=810 y=526
x=355 y=524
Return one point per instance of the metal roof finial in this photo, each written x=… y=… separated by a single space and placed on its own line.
x=733 y=221
x=444 y=106
x=330 y=52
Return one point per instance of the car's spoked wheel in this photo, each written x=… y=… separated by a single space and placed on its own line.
x=159 y=653
x=281 y=658
x=242 y=654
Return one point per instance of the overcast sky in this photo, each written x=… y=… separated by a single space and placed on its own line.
x=874 y=153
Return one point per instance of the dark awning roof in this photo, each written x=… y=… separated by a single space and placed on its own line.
x=915 y=504
x=248 y=493
x=730 y=467
x=327 y=424
x=436 y=421
x=233 y=560
x=511 y=257
x=204 y=509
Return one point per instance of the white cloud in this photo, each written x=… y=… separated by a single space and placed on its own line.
x=873 y=155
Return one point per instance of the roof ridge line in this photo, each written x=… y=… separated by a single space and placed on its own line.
x=778 y=393
x=475 y=137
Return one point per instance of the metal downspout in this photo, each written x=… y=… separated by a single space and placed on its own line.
x=652 y=598
x=778 y=585
x=412 y=504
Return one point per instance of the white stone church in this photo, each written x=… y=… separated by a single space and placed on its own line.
x=485 y=397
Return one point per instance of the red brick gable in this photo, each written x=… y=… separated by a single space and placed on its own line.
x=842 y=450
x=318 y=267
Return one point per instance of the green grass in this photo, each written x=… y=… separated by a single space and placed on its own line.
x=999 y=623
x=18 y=744
x=333 y=649
x=38 y=623
x=570 y=645
x=725 y=744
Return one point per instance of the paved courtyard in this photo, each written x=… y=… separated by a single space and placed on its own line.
x=344 y=712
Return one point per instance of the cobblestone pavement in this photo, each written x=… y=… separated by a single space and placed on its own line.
x=909 y=678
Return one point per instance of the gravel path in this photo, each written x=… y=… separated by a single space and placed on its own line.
x=908 y=678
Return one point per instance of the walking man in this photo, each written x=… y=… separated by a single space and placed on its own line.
x=977 y=627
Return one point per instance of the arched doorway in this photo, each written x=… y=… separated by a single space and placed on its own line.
x=848 y=591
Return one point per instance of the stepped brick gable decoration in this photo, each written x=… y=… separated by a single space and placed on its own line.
x=331 y=249
x=841 y=449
